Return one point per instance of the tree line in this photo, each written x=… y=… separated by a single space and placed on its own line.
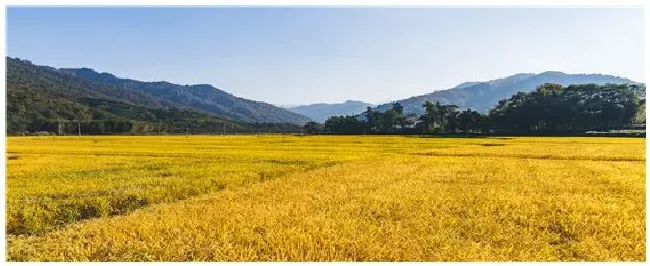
x=162 y=127
x=550 y=109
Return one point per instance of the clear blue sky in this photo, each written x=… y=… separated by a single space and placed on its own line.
x=310 y=55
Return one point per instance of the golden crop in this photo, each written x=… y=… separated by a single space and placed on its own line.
x=325 y=198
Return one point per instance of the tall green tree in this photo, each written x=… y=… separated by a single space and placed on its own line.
x=553 y=109
x=428 y=119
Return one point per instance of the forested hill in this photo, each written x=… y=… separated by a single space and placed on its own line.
x=482 y=96
x=202 y=97
x=38 y=97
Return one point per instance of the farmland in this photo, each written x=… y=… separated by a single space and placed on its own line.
x=325 y=198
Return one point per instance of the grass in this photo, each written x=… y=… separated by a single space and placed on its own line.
x=325 y=198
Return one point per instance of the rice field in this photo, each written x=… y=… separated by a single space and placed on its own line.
x=325 y=198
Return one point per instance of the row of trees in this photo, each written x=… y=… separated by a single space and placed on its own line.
x=573 y=109
x=550 y=109
x=124 y=126
x=437 y=118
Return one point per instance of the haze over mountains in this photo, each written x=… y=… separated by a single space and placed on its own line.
x=321 y=111
x=481 y=96
x=476 y=95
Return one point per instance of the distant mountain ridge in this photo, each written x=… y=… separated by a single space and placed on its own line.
x=44 y=93
x=321 y=111
x=481 y=96
x=199 y=97
x=41 y=98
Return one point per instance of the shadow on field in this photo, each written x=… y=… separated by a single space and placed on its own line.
x=457 y=137
x=492 y=145
x=534 y=156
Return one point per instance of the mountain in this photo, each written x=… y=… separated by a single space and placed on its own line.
x=321 y=111
x=41 y=97
x=482 y=96
x=199 y=97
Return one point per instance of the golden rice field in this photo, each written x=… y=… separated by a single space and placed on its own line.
x=325 y=198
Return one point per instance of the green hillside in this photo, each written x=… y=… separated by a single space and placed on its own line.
x=41 y=98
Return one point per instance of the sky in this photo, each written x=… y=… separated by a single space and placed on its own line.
x=288 y=56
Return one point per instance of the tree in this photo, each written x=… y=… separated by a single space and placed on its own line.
x=391 y=118
x=344 y=125
x=469 y=121
x=312 y=127
x=373 y=120
x=448 y=117
x=553 y=109
x=428 y=119
x=400 y=118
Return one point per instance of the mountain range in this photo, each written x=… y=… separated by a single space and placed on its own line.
x=46 y=93
x=321 y=111
x=481 y=96
x=200 y=97
x=43 y=93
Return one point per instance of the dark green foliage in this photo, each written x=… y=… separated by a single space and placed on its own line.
x=313 y=128
x=573 y=109
x=372 y=121
x=199 y=97
x=66 y=101
x=439 y=118
x=640 y=115
x=482 y=96
x=344 y=125
x=470 y=121
x=45 y=99
x=550 y=109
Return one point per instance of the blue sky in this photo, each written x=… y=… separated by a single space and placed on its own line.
x=312 y=55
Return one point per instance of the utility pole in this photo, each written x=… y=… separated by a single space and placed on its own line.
x=187 y=132
x=223 y=132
